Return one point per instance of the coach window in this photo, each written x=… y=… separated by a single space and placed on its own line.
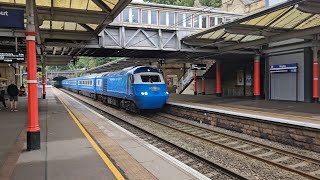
x=154 y=17
x=125 y=15
x=145 y=16
x=135 y=15
x=163 y=18
x=171 y=19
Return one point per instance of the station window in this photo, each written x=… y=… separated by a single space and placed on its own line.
x=171 y=19
x=154 y=17
x=135 y=15
x=163 y=18
x=212 y=21
x=196 y=20
x=220 y=21
x=204 y=21
x=188 y=20
x=144 y=17
x=180 y=22
x=228 y=19
x=125 y=15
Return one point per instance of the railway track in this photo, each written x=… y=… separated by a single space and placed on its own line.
x=291 y=162
x=300 y=164
x=206 y=167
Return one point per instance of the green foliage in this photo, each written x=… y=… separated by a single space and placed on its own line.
x=190 y=3
x=211 y=3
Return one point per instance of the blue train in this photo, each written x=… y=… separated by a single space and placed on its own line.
x=133 y=88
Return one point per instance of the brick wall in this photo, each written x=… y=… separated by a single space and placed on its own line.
x=306 y=138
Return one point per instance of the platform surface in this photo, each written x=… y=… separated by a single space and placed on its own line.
x=65 y=152
x=299 y=113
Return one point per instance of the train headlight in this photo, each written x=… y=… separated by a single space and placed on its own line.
x=146 y=93
x=167 y=92
x=142 y=93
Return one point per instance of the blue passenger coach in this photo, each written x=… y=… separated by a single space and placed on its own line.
x=133 y=88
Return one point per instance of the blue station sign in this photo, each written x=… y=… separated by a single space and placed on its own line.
x=284 y=68
x=11 y=18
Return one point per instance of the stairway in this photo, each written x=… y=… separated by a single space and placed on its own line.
x=187 y=78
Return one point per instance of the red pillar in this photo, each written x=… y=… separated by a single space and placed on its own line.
x=44 y=85
x=33 y=131
x=195 y=82
x=256 y=80
x=315 y=75
x=203 y=86
x=218 y=80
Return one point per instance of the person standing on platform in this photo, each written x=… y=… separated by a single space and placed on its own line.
x=2 y=98
x=13 y=91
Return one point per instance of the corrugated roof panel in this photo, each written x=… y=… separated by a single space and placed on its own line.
x=79 y=4
x=217 y=34
x=111 y=3
x=58 y=25
x=229 y=37
x=93 y=7
x=43 y=3
x=238 y=37
x=254 y=21
x=80 y=28
x=70 y=26
x=45 y=25
x=311 y=22
x=271 y=16
x=20 y=1
x=62 y=3
x=291 y=19
x=251 y=38
x=93 y=26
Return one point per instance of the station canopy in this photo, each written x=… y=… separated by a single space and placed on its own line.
x=292 y=19
x=64 y=27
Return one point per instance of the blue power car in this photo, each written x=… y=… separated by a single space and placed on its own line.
x=134 y=88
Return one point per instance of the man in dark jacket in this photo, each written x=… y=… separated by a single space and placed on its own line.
x=2 y=98
x=13 y=92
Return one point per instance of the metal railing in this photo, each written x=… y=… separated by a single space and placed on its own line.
x=189 y=75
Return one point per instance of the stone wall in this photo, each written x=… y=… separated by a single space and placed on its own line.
x=306 y=138
x=237 y=6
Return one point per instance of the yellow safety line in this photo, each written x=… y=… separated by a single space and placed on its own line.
x=258 y=112
x=103 y=156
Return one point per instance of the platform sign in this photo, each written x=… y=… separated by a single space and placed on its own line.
x=11 y=18
x=11 y=57
x=284 y=68
x=198 y=66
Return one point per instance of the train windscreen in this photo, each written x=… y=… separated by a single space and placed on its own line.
x=150 y=78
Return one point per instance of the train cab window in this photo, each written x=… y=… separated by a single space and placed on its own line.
x=150 y=78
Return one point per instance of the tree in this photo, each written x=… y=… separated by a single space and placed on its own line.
x=211 y=3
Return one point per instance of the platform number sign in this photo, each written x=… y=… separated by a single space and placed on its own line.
x=284 y=68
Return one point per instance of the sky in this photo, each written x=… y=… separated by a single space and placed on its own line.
x=137 y=0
